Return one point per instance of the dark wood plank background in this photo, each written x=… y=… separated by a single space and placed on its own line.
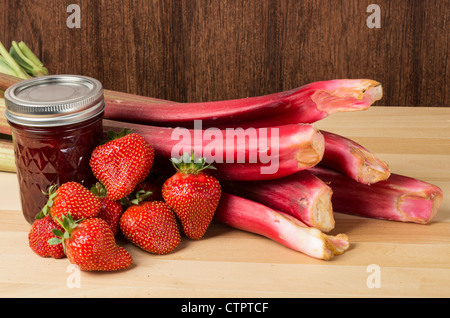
x=192 y=50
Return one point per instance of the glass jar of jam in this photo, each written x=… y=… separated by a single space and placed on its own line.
x=56 y=122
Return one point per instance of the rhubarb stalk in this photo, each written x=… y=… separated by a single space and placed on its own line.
x=301 y=195
x=14 y=67
x=306 y=104
x=297 y=147
x=4 y=126
x=352 y=159
x=399 y=198
x=250 y=216
x=27 y=60
x=244 y=155
x=7 y=161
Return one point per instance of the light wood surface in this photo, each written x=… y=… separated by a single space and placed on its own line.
x=412 y=260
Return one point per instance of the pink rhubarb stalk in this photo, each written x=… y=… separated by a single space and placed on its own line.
x=238 y=154
x=306 y=104
x=250 y=216
x=301 y=195
x=352 y=159
x=399 y=198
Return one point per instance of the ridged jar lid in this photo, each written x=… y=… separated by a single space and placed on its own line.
x=54 y=100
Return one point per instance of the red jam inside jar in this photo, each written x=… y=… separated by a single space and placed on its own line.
x=53 y=144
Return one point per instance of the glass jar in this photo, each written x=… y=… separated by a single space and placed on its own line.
x=56 y=123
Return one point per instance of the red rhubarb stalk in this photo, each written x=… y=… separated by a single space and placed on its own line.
x=301 y=195
x=352 y=159
x=250 y=216
x=399 y=198
x=306 y=104
x=238 y=154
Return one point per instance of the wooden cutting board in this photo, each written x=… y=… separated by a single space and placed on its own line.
x=386 y=259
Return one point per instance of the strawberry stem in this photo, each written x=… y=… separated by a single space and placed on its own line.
x=140 y=196
x=51 y=195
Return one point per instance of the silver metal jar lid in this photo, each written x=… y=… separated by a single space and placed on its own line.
x=54 y=100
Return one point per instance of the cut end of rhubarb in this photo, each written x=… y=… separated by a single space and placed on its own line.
x=420 y=207
x=338 y=244
x=323 y=217
x=328 y=246
x=347 y=95
x=311 y=152
x=371 y=169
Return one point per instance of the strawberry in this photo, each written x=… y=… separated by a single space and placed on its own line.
x=40 y=233
x=151 y=188
x=147 y=190
x=91 y=245
x=110 y=210
x=70 y=197
x=122 y=163
x=192 y=194
x=152 y=226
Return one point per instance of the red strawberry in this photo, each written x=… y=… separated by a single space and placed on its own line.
x=91 y=245
x=110 y=210
x=40 y=233
x=152 y=226
x=193 y=195
x=70 y=197
x=122 y=163
x=153 y=188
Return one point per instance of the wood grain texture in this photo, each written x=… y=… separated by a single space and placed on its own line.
x=413 y=259
x=196 y=50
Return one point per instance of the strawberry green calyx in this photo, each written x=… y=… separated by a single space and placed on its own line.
x=68 y=224
x=51 y=195
x=99 y=190
x=112 y=135
x=189 y=164
x=135 y=198
x=140 y=196
x=116 y=135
